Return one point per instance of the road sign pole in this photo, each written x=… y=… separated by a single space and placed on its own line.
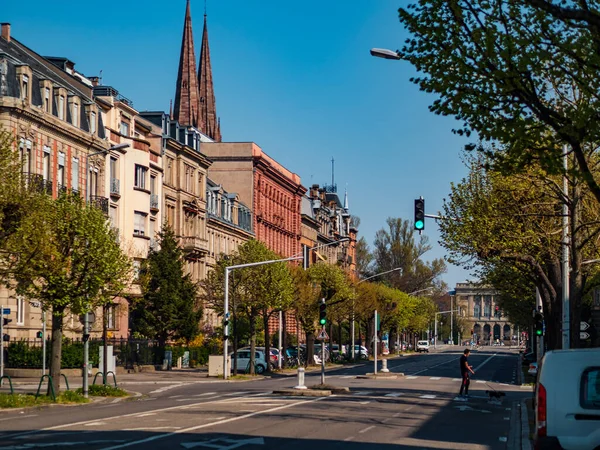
x=375 y=343
x=44 y=342
x=86 y=356
x=323 y=359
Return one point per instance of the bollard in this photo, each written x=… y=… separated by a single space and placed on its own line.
x=384 y=366
x=300 y=379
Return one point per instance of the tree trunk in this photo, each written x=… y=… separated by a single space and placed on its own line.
x=310 y=348
x=55 y=359
x=235 y=344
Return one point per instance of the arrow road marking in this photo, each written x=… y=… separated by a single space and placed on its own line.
x=232 y=443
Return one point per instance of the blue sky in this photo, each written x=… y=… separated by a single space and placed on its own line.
x=294 y=77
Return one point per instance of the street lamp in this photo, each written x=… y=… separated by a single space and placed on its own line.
x=86 y=319
x=385 y=53
x=226 y=300
x=435 y=325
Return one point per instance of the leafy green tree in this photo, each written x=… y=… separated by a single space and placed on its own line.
x=395 y=247
x=258 y=291
x=364 y=258
x=521 y=74
x=77 y=264
x=169 y=308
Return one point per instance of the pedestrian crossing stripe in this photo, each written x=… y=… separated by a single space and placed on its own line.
x=411 y=378
x=480 y=381
x=347 y=376
x=456 y=379
x=428 y=396
x=364 y=392
x=435 y=378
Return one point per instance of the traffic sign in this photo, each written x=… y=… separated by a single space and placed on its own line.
x=584 y=335
x=583 y=326
x=5 y=311
x=323 y=336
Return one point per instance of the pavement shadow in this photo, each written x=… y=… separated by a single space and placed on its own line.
x=116 y=440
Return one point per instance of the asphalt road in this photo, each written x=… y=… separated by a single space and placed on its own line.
x=417 y=410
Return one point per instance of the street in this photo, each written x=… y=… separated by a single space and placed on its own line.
x=417 y=410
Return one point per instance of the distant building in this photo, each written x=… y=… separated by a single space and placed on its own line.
x=480 y=311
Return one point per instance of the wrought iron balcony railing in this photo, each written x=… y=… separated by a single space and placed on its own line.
x=100 y=203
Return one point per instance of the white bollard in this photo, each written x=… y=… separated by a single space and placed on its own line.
x=384 y=366
x=300 y=379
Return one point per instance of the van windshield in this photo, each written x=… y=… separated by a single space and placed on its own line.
x=422 y=343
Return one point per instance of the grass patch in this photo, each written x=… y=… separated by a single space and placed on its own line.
x=28 y=400
x=104 y=390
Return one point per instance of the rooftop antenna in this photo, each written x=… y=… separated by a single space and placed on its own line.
x=100 y=78
x=205 y=7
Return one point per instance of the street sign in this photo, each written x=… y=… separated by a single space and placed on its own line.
x=5 y=311
x=584 y=335
x=323 y=335
x=91 y=318
x=583 y=326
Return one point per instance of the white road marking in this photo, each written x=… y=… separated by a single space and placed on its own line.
x=62 y=444
x=18 y=417
x=397 y=415
x=198 y=427
x=364 y=430
x=364 y=403
x=175 y=396
x=507 y=418
x=437 y=365
x=94 y=424
x=166 y=388
x=435 y=378
x=484 y=363
x=479 y=381
x=349 y=438
x=411 y=378
x=202 y=395
x=207 y=398
x=394 y=394
x=347 y=376
x=456 y=379
x=364 y=392
x=146 y=414
x=428 y=396
x=230 y=394
x=151 y=428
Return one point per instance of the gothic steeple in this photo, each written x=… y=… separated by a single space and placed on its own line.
x=186 y=95
x=208 y=122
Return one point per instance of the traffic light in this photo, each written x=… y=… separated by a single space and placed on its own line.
x=39 y=335
x=6 y=321
x=6 y=338
x=322 y=312
x=539 y=324
x=419 y=214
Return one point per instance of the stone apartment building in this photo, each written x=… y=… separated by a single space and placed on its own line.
x=479 y=310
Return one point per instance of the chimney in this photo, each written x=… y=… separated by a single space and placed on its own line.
x=95 y=81
x=6 y=31
x=322 y=195
x=314 y=191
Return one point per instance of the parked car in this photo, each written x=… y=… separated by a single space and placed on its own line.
x=567 y=398
x=243 y=360
x=533 y=369
x=273 y=360
x=361 y=351
x=422 y=346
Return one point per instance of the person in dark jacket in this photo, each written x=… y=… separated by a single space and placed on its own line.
x=465 y=368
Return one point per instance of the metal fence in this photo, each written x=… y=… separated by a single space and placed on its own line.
x=27 y=354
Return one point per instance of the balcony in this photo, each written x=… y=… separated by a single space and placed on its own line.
x=115 y=187
x=36 y=183
x=153 y=202
x=99 y=202
x=194 y=244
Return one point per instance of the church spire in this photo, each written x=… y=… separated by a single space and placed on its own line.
x=186 y=95
x=209 y=123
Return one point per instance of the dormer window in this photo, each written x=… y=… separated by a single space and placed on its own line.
x=47 y=100
x=25 y=87
x=75 y=114
x=61 y=107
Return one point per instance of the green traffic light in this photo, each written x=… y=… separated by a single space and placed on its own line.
x=419 y=224
x=538 y=332
x=323 y=321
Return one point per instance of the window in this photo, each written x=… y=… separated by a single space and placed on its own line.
x=25 y=87
x=61 y=107
x=20 y=310
x=26 y=160
x=75 y=114
x=46 y=164
x=47 y=100
x=124 y=130
x=140 y=177
x=169 y=172
x=113 y=216
x=152 y=228
x=139 y=224
x=93 y=122
x=75 y=174
x=111 y=317
x=136 y=269
x=60 y=176
x=152 y=184
x=590 y=388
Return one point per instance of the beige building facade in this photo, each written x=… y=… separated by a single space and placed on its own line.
x=483 y=318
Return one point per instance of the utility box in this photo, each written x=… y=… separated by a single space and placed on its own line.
x=215 y=365
x=112 y=360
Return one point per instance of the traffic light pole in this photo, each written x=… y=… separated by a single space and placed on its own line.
x=1 y=344
x=323 y=360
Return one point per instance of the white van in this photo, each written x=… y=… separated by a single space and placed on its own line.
x=422 y=346
x=567 y=400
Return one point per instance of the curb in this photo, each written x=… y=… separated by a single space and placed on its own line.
x=381 y=376
x=303 y=392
